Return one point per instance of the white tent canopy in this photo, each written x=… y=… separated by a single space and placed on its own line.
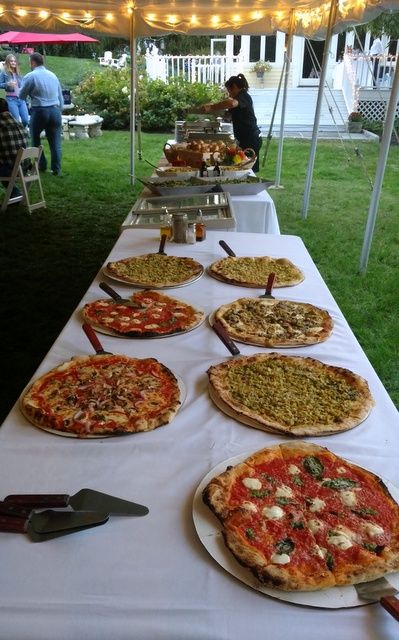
x=113 y=17
x=317 y=19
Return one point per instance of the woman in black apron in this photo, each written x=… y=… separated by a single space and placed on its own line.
x=240 y=106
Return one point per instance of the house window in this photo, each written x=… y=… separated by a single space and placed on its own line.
x=270 y=49
x=236 y=45
x=340 y=46
x=254 y=49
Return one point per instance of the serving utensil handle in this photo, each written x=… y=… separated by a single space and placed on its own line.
x=225 y=338
x=38 y=500
x=391 y=604
x=227 y=249
x=110 y=291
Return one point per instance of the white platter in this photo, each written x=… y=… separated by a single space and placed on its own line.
x=208 y=529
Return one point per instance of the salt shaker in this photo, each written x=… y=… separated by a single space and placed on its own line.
x=191 y=233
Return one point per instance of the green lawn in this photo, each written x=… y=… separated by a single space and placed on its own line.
x=49 y=258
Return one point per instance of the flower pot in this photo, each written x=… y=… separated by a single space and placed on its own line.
x=355 y=126
x=260 y=74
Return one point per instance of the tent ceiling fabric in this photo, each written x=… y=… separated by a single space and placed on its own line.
x=156 y=17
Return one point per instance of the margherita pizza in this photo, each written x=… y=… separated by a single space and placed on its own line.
x=155 y=270
x=254 y=271
x=290 y=394
x=103 y=395
x=275 y=323
x=301 y=518
x=153 y=315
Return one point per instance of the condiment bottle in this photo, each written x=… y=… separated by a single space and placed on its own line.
x=179 y=227
x=166 y=225
x=200 y=228
x=191 y=233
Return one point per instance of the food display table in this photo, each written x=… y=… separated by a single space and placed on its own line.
x=151 y=577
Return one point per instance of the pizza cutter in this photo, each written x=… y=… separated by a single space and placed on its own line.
x=94 y=341
x=118 y=298
x=227 y=249
x=269 y=286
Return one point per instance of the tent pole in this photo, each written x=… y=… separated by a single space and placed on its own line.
x=288 y=57
x=379 y=176
x=323 y=72
x=133 y=65
x=269 y=135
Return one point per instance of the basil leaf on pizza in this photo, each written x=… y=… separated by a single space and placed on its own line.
x=254 y=271
x=323 y=536
x=291 y=395
x=103 y=395
x=275 y=323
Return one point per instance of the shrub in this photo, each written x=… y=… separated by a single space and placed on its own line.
x=355 y=116
x=107 y=93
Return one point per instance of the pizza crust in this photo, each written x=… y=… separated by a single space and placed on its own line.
x=274 y=322
x=295 y=395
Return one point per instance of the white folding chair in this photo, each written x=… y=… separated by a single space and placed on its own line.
x=25 y=179
x=106 y=59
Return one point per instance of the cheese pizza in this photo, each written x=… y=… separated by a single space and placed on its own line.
x=301 y=518
x=153 y=315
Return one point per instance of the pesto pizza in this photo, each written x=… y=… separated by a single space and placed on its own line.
x=254 y=271
x=103 y=395
x=154 y=270
x=301 y=518
x=290 y=394
x=275 y=323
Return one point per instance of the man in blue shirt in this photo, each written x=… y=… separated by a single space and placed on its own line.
x=47 y=102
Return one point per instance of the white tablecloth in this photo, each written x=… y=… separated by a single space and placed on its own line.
x=256 y=214
x=151 y=578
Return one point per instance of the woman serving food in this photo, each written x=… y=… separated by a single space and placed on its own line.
x=240 y=106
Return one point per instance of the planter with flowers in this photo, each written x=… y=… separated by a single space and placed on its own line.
x=355 y=122
x=261 y=67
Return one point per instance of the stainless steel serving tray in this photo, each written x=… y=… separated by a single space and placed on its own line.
x=217 y=210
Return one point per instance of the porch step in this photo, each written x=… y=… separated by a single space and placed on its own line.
x=300 y=108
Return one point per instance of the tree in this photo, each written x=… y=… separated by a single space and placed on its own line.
x=387 y=23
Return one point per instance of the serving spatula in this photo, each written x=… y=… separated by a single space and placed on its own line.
x=381 y=590
x=83 y=500
x=94 y=341
x=49 y=524
x=118 y=298
x=269 y=286
x=227 y=249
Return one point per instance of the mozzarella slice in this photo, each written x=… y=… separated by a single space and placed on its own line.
x=280 y=558
x=250 y=506
x=273 y=513
x=252 y=483
x=348 y=498
x=372 y=529
x=284 y=492
x=317 y=505
x=293 y=470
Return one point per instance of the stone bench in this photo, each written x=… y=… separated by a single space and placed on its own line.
x=86 y=126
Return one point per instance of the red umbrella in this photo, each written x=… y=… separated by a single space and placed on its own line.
x=22 y=37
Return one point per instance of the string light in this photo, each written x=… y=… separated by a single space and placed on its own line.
x=43 y=14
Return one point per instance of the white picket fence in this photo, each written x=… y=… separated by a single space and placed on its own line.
x=205 y=69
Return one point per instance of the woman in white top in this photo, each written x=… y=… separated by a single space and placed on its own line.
x=10 y=81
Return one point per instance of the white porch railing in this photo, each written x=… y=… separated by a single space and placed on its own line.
x=205 y=69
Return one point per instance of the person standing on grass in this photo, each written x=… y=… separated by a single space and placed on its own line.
x=10 y=81
x=12 y=139
x=47 y=102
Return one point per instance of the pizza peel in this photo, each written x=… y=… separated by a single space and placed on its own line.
x=380 y=590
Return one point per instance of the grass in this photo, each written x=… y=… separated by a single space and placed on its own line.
x=69 y=71
x=49 y=258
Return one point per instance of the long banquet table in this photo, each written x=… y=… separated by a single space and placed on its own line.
x=151 y=578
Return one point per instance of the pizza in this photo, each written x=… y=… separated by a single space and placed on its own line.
x=254 y=271
x=103 y=395
x=275 y=323
x=153 y=315
x=290 y=394
x=155 y=270
x=301 y=518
